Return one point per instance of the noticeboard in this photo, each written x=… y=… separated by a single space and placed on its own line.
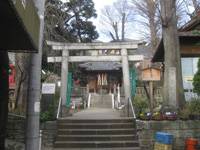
x=151 y=74
x=48 y=88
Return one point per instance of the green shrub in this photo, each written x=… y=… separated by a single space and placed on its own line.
x=49 y=115
x=140 y=105
x=196 y=80
x=194 y=106
x=13 y=147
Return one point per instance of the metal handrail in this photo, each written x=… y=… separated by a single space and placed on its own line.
x=89 y=100
x=58 y=112
x=129 y=100
x=17 y=116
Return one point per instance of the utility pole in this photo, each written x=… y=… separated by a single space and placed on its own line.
x=33 y=103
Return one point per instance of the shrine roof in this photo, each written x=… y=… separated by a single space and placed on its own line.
x=101 y=66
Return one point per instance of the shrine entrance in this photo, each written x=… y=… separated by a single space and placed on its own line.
x=99 y=78
x=104 y=81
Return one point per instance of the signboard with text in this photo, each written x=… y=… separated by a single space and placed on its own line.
x=69 y=86
x=48 y=88
x=151 y=74
x=133 y=83
x=189 y=78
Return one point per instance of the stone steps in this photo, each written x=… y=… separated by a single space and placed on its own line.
x=96 y=137
x=96 y=121
x=95 y=144
x=95 y=131
x=95 y=126
x=126 y=148
x=96 y=134
x=106 y=101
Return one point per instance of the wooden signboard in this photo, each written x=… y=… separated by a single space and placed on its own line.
x=151 y=74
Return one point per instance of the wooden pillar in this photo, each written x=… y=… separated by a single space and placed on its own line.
x=151 y=95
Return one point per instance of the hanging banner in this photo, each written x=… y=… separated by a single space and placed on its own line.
x=69 y=85
x=102 y=76
x=105 y=79
x=133 y=83
x=99 y=79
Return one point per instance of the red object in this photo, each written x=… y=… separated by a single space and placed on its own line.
x=78 y=81
x=190 y=144
x=122 y=81
x=12 y=66
x=12 y=77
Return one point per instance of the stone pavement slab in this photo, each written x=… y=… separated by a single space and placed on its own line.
x=97 y=113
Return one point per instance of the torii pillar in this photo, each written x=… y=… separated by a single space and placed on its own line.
x=126 y=76
x=64 y=78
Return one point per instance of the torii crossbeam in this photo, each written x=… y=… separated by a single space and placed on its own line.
x=124 y=58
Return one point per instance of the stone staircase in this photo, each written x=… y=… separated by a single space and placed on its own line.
x=106 y=100
x=112 y=134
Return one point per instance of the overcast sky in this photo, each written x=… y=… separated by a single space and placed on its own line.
x=99 y=4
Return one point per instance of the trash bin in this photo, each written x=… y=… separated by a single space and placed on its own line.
x=191 y=144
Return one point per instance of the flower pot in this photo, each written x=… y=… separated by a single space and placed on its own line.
x=171 y=118
x=158 y=118
x=145 y=117
x=191 y=117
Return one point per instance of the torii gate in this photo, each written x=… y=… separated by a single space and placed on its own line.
x=124 y=58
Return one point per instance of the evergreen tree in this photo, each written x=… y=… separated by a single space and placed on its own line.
x=196 y=80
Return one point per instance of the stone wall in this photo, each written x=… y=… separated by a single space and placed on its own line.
x=16 y=131
x=182 y=130
x=146 y=131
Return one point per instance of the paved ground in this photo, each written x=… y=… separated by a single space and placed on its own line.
x=97 y=113
x=91 y=113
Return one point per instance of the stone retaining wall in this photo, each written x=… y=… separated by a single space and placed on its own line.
x=182 y=130
x=16 y=131
x=146 y=131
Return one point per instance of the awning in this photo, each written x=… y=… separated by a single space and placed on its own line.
x=19 y=26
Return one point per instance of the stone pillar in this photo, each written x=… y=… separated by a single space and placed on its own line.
x=114 y=89
x=88 y=90
x=172 y=103
x=110 y=86
x=126 y=77
x=64 y=78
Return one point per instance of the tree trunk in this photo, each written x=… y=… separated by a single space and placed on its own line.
x=22 y=67
x=172 y=56
x=4 y=96
x=195 y=5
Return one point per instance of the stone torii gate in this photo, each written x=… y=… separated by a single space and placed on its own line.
x=124 y=58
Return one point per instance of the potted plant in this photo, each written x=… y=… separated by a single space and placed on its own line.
x=158 y=116
x=171 y=115
x=145 y=115
x=183 y=114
